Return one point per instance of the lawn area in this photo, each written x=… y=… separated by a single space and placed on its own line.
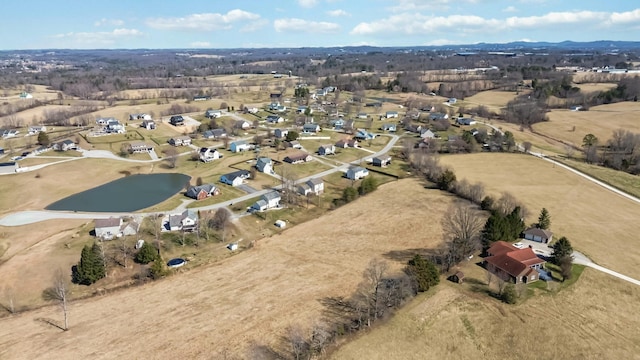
x=575 y=204
x=495 y=100
x=619 y=179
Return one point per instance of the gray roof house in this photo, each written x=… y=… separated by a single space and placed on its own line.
x=269 y=200
x=265 y=165
x=328 y=149
x=311 y=128
x=202 y=191
x=186 y=221
x=356 y=173
x=107 y=229
x=280 y=133
x=382 y=160
x=235 y=178
x=539 y=235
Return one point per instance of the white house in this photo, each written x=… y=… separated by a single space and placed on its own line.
x=356 y=173
x=148 y=124
x=207 y=154
x=107 y=228
x=180 y=141
x=391 y=114
x=316 y=185
x=280 y=133
x=115 y=127
x=186 y=221
x=274 y=119
x=238 y=146
x=36 y=129
x=213 y=114
x=235 y=178
x=265 y=165
x=328 y=149
x=267 y=201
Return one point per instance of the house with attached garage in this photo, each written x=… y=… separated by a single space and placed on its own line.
x=391 y=114
x=389 y=127
x=235 y=178
x=382 y=160
x=465 y=121
x=311 y=128
x=203 y=191
x=280 y=133
x=362 y=115
x=64 y=145
x=264 y=165
x=114 y=127
x=214 y=134
x=328 y=149
x=356 y=173
x=363 y=134
x=538 y=235
x=274 y=119
x=239 y=146
x=312 y=186
x=295 y=144
x=107 y=229
x=148 y=124
x=36 y=129
x=427 y=134
x=209 y=154
x=212 y=114
x=139 y=147
x=242 y=124
x=185 y=221
x=180 y=141
x=267 y=201
x=513 y=264
x=346 y=143
x=176 y=120
x=337 y=124
x=438 y=116
x=298 y=158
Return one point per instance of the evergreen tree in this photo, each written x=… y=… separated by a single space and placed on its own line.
x=566 y=264
x=423 y=272
x=43 y=139
x=349 y=194
x=446 y=179
x=368 y=185
x=562 y=248
x=509 y=294
x=157 y=269
x=515 y=224
x=146 y=254
x=544 y=220
x=494 y=230
x=292 y=135
x=91 y=266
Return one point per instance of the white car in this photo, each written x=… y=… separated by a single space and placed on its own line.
x=519 y=245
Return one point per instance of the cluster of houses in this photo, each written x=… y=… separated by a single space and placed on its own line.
x=183 y=140
x=111 y=228
x=111 y=126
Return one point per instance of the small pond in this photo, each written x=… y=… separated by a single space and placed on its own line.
x=128 y=194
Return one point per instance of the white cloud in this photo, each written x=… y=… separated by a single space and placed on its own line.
x=414 y=5
x=254 y=25
x=111 y=22
x=337 y=13
x=510 y=9
x=203 y=22
x=300 y=25
x=412 y=23
x=200 y=44
x=307 y=3
x=99 y=37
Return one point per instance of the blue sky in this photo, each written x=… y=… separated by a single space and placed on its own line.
x=82 y=24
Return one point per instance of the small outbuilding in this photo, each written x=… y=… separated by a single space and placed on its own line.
x=457 y=277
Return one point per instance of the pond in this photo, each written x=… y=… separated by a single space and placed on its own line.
x=128 y=194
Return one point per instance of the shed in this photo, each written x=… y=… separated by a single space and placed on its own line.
x=457 y=277
x=281 y=224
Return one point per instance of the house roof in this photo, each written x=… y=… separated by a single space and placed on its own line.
x=296 y=157
x=135 y=144
x=327 y=146
x=538 y=232
x=263 y=161
x=110 y=222
x=195 y=190
x=356 y=169
x=239 y=142
x=273 y=195
x=315 y=181
x=261 y=203
x=515 y=262
x=383 y=157
x=182 y=138
x=240 y=173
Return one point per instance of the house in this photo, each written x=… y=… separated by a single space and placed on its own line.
x=298 y=158
x=176 y=120
x=538 y=235
x=267 y=201
x=202 y=191
x=139 y=147
x=438 y=116
x=321 y=92
x=25 y=95
x=212 y=114
x=362 y=115
x=303 y=189
x=280 y=133
x=214 y=134
x=275 y=106
x=107 y=229
x=311 y=128
x=576 y=108
x=130 y=228
x=274 y=119
x=388 y=127
x=148 y=124
x=362 y=134
x=356 y=173
x=275 y=97
x=264 y=165
x=6 y=134
x=427 y=134
x=303 y=109
x=413 y=128
x=201 y=98
x=452 y=100
x=295 y=144
x=316 y=185
x=242 y=124
x=391 y=114
x=104 y=121
x=186 y=221
x=413 y=114
x=235 y=178
x=512 y=264
x=64 y=145
x=465 y=121
x=115 y=127
x=337 y=124
x=240 y=145
x=36 y=129
x=141 y=116
x=329 y=149
x=180 y=141
x=345 y=143
x=382 y=160
x=251 y=110
x=209 y=154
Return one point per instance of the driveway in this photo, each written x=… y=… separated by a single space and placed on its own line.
x=246 y=188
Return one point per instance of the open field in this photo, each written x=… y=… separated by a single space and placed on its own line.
x=495 y=100
x=595 y=87
x=596 y=318
x=575 y=204
x=27 y=116
x=224 y=308
x=599 y=120
x=629 y=183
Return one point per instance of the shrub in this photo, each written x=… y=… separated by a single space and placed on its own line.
x=146 y=254
x=509 y=294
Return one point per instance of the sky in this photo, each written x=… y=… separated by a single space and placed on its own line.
x=161 y=24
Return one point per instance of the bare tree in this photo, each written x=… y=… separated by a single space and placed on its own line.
x=506 y=203
x=297 y=342
x=526 y=146
x=171 y=157
x=476 y=192
x=489 y=275
x=367 y=296
x=288 y=179
x=463 y=223
x=59 y=293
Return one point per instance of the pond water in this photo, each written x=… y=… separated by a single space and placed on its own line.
x=128 y=194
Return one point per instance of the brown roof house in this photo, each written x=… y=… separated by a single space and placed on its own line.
x=298 y=158
x=512 y=264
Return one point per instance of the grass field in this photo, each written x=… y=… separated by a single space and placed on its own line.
x=595 y=87
x=596 y=318
x=622 y=180
x=251 y=297
x=576 y=205
x=599 y=120
x=495 y=100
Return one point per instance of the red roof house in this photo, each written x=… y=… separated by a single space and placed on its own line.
x=512 y=264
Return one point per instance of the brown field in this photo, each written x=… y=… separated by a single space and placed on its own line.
x=599 y=120
x=224 y=308
x=27 y=117
x=576 y=205
x=596 y=318
x=596 y=87
x=495 y=100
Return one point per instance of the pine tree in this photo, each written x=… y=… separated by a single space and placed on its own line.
x=562 y=248
x=544 y=220
x=368 y=185
x=91 y=266
x=43 y=139
x=424 y=273
x=146 y=254
x=515 y=224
